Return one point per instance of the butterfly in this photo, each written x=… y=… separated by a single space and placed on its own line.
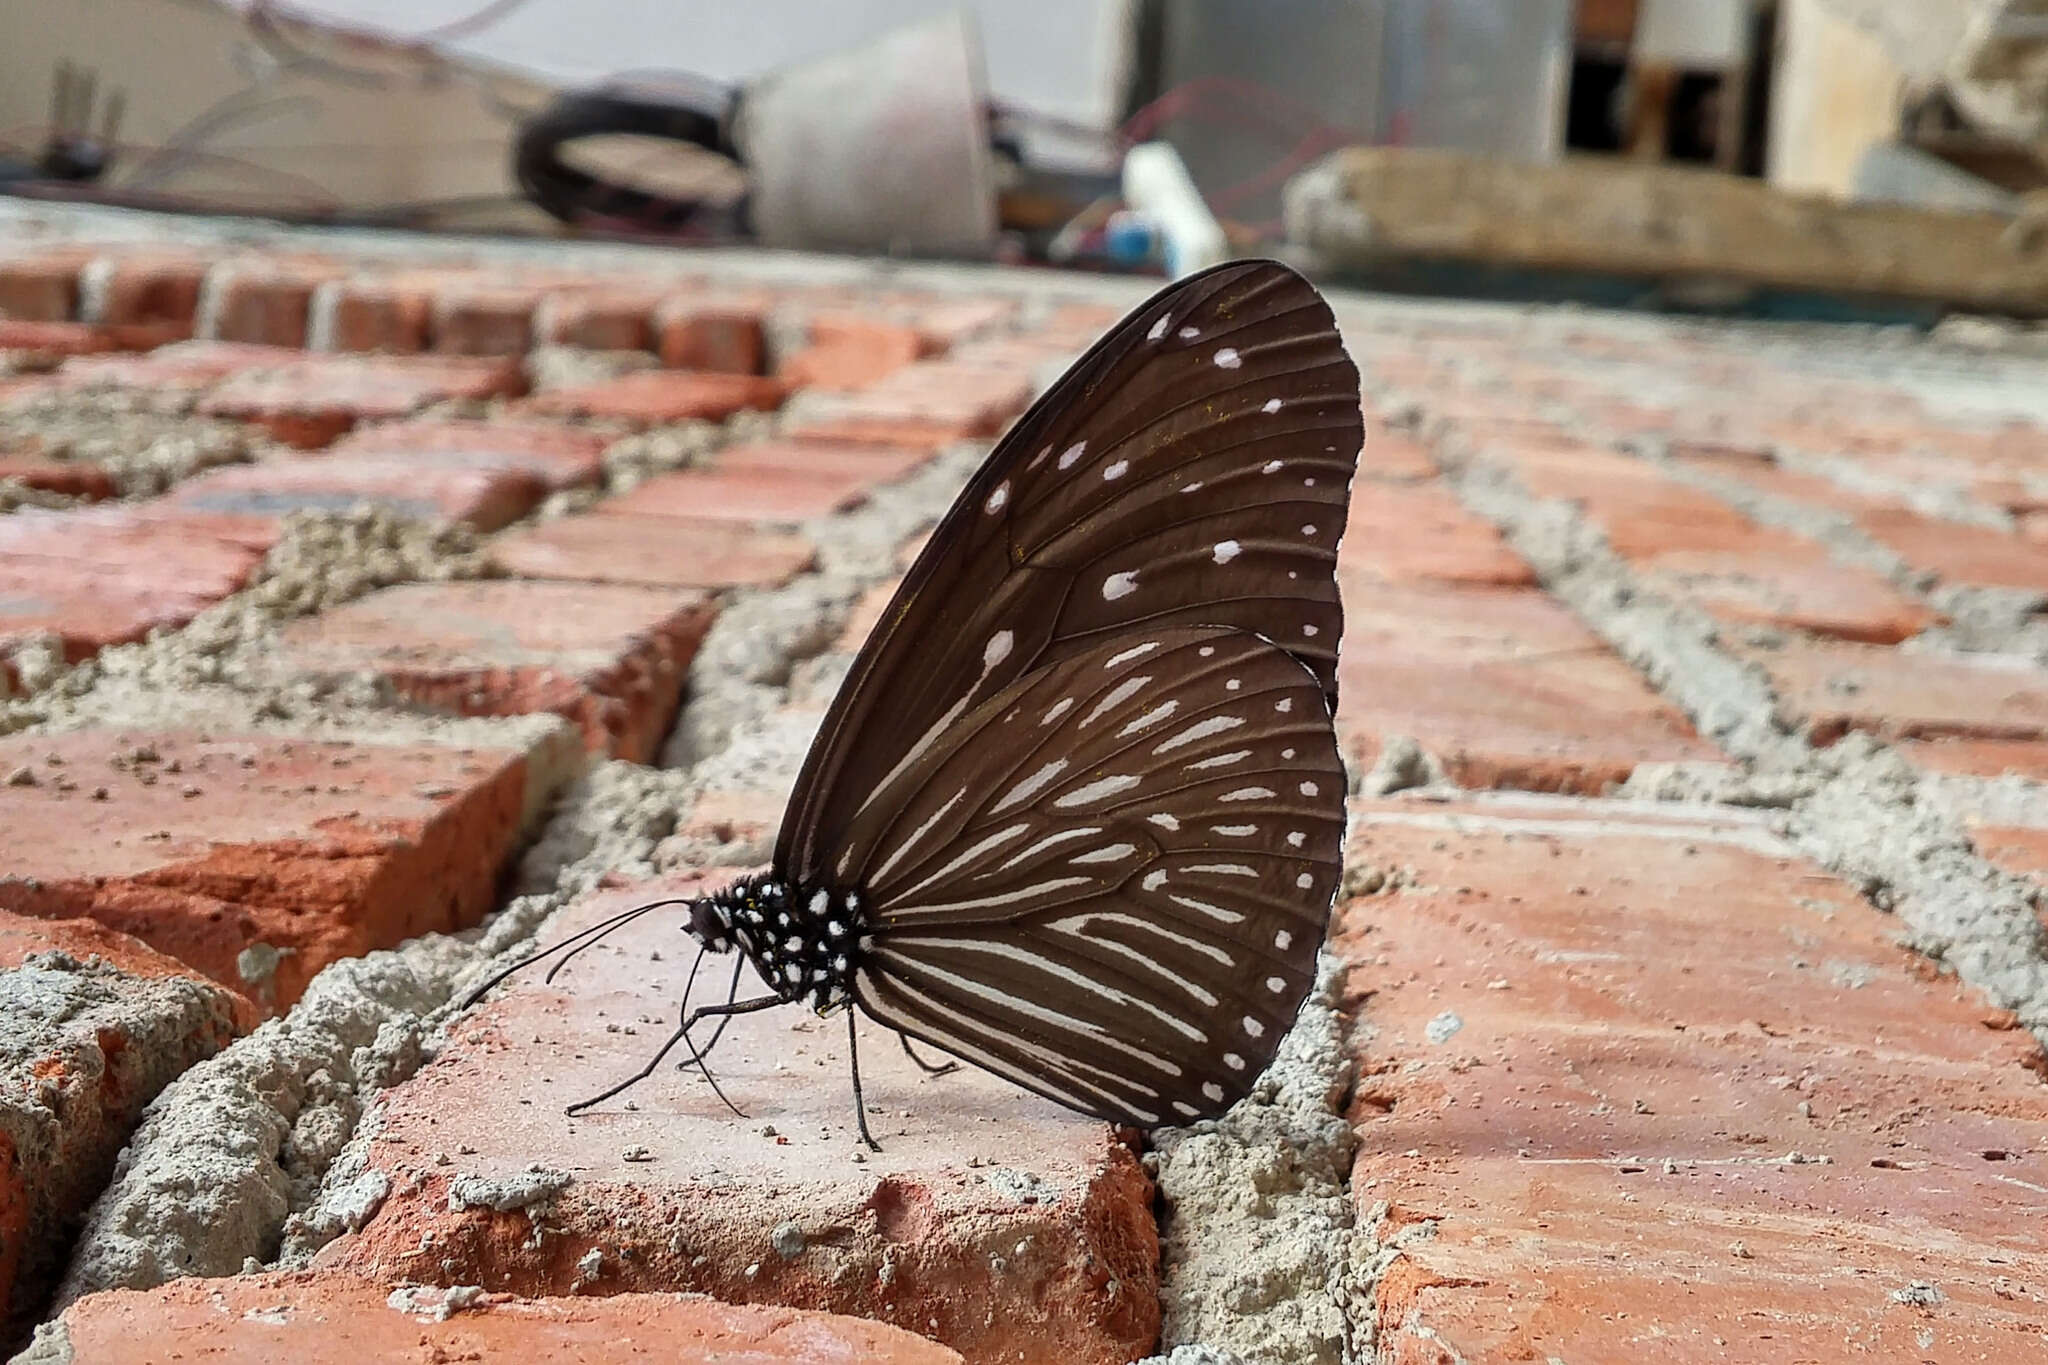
x=1077 y=813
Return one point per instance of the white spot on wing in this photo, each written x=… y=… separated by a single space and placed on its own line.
x=1164 y=821
x=1248 y=794
x=1220 y=760
x=1154 y=879
x=1149 y=719
x=1309 y=789
x=1276 y=984
x=1227 y=550
x=1282 y=939
x=1115 y=471
x=1113 y=853
x=1119 y=585
x=1098 y=790
x=1213 y=1091
x=1284 y=705
x=1225 y=869
x=1072 y=454
x=1235 y=831
x=1188 y=333
x=1272 y=405
x=1134 y=652
x=1305 y=880
x=1215 y=912
x=1201 y=729
x=1030 y=786
x=1254 y=1027
x=1159 y=328
x=1115 y=697
x=1059 y=708
x=1065 y=836
x=997 y=649
x=1309 y=631
x=1271 y=467
x=1233 y=1061
x=996 y=498
x=1295 y=838
x=1228 y=358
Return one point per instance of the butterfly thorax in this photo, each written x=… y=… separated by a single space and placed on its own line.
x=804 y=941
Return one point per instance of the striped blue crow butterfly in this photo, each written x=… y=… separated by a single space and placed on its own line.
x=1077 y=813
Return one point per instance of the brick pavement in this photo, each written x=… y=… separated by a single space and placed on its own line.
x=1690 y=960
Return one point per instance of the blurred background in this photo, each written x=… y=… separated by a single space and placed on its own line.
x=1602 y=148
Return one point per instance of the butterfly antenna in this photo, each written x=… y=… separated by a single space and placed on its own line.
x=575 y=944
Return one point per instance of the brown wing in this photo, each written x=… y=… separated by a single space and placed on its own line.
x=1191 y=470
x=1108 y=883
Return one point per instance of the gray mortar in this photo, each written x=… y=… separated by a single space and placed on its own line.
x=1859 y=809
x=143 y=451
x=1256 y=1238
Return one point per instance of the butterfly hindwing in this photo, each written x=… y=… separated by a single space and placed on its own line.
x=1191 y=470
x=1109 y=881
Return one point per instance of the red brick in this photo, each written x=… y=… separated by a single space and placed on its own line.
x=1811 y=490
x=559 y=456
x=41 y=287
x=485 y=319
x=865 y=616
x=268 y=305
x=102 y=576
x=601 y=319
x=86 y=481
x=183 y=365
x=1422 y=533
x=1792 y=584
x=658 y=551
x=851 y=353
x=872 y=428
x=945 y=391
x=655 y=396
x=774 y=496
x=331 y=393
x=1960 y=553
x=160 y=290
x=97 y=1025
x=484 y=498
x=719 y=338
x=327 y=1319
x=1642 y=510
x=725 y=816
x=1836 y=687
x=1957 y=757
x=1048 y=1251
x=1503 y=686
x=377 y=315
x=1651 y=1013
x=1394 y=456
x=57 y=339
x=608 y=658
x=943 y=323
x=320 y=850
x=875 y=464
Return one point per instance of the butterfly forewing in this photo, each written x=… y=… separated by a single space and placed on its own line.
x=1108 y=882
x=1190 y=470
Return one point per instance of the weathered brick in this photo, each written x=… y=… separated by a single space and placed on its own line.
x=1957 y=756
x=721 y=338
x=868 y=427
x=310 y=401
x=1422 y=533
x=559 y=456
x=181 y=366
x=874 y=464
x=1642 y=510
x=50 y=341
x=658 y=551
x=1652 y=1082
x=1959 y=553
x=319 y=1318
x=610 y=659
x=1502 y=685
x=848 y=353
x=268 y=304
x=258 y=860
x=1392 y=455
x=97 y=1024
x=101 y=576
x=674 y=1192
x=373 y=315
x=484 y=319
x=1782 y=581
x=266 y=493
x=41 y=287
x=153 y=289
x=774 y=496
x=655 y=396
x=1833 y=687
x=602 y=318
x=73 y=479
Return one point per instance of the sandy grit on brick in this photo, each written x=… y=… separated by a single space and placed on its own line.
x=255 y=860
x=321 y=1319
x=992 y=1221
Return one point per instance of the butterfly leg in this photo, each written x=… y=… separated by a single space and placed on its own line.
x=682 y=1032
x=860 y=1108
x=928 y=1068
